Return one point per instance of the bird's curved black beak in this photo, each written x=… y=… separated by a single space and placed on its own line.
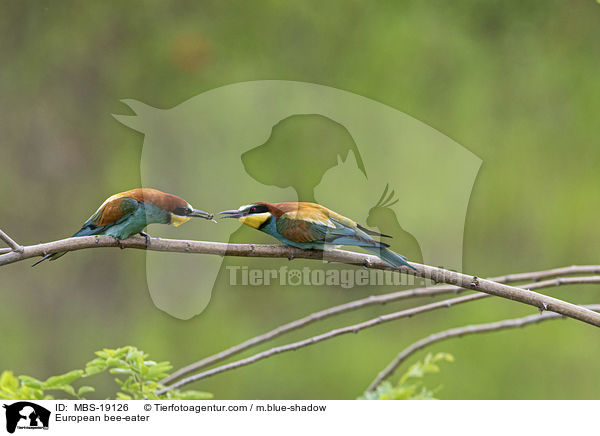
x=201 y=214
x=230 y=214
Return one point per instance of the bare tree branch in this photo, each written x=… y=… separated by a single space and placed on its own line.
x=12 y=244
x=462 y=331
x=355 y=328
x=438 y=275
x=383 y=299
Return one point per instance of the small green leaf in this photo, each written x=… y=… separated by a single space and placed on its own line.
x=133 y=354
x=68 y=389
x=64 y=379
x=30 y=381
x=444 y=356
x=120 y=371
x=430 y=367
x=8 y=381
x=94 y=369
x=84 y=390
x=410 y=386
x=156 y=373
x=105 y=354
x=120 y=352
x=112 y=361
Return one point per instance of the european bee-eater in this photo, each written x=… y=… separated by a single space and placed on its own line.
x=128 y=213
x=312 y=226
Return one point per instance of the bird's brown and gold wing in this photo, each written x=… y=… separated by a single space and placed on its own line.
x=310 y=222
x=300 y=231
x=112 y=211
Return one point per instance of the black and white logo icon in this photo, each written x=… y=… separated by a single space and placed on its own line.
x=26 y=415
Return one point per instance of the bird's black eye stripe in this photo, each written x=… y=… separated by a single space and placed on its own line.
x=257 y=209
x=181 y=211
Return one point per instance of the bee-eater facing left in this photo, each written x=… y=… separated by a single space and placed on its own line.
x=312 y=226
x=128 y=213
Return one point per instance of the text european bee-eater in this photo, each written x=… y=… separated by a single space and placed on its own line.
x=128 y=213
x=312 y=226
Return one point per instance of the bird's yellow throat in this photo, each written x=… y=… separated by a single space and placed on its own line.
x=177 y=220
x=256 y=220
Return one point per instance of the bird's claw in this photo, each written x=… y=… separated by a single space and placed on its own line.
x=119 y=242
x=148 y=238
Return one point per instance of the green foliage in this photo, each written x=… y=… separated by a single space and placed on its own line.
x=138 y=378
x=410 y=386
x=25 y=387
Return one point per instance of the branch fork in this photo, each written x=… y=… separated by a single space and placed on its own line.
x=11 y=243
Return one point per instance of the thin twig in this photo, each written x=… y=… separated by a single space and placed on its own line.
x=462 y=331
x=546 y=274
x=438 y=275
x=10 y=242
x=382 y=299
x=355 y=328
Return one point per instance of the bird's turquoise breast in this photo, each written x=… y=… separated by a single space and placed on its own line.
x=133 y=224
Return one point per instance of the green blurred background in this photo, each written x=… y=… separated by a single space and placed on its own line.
x=516 y=83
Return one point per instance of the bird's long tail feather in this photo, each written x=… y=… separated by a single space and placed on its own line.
x=388 y=256
x=52 y=256
x=84 y=231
